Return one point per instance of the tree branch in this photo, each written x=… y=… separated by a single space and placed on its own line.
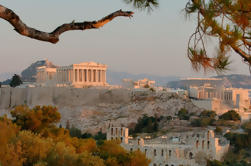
x=53 y=37
x=244 y=55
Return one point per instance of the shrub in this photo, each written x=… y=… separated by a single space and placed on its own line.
x=202 y=122
x=231 y=115
x=208 y=114
x=146 y=125
x=218 y=130
x=183 y=114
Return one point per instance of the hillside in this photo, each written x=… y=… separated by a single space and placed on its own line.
x=238 y=81
x=93 y=109
x=28 y=74
x=113 y=78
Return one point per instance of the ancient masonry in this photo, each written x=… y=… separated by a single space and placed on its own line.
x=174 y=149
x=75 y=75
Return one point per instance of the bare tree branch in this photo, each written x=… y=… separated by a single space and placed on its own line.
x=53 y=37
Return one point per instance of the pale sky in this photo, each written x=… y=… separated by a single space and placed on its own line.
x=152 y=43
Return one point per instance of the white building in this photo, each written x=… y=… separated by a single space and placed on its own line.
x=175 y=149
x=75 y=75
x=220 y=99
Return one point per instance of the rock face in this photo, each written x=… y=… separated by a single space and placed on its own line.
x=93 y=109
x=28 y=75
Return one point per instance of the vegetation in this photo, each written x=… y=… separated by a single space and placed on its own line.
x=230 y=115
x=206 y=118
x=146 y=125
x=218 y=130
x=227 y=21
x=240 y=150
x=183 y=114
x=15 y=81
x=32 y=138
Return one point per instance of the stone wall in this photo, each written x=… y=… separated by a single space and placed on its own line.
x=90 y=109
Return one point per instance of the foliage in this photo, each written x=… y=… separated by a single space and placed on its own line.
x=15 y=81
x=218 y=130
x=247 y=126
x=239 y=141
x=208 y=114
x=75 y=132
x=230 y=115
x=35 y=119
x=146 y=86
x=146 y=125
x=32 y=138
x=206 y=118
x=232 y=159
x=183 y=114
x=144 y=4
x=226 y=20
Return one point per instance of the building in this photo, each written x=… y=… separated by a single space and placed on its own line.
x=145 y=83
x=46 y=75
x=75 y=75
x=221 y=99
x=139 y=84
x=175 y=149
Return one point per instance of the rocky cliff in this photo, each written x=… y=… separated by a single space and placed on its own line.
x=92 y=109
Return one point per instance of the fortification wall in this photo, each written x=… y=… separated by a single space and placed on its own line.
x=91 y=109
x=10 y=97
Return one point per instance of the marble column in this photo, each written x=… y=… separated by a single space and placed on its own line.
x=73 y=75
x=105 y=76
x=90 y=75
x=85 y=75
x=96 y=75
x=87 y=80
x=80 y=75
x=99 y=77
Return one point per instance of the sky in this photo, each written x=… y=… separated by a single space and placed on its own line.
x=152 y=43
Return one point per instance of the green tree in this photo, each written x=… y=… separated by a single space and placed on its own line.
x=230 y=115
x=208 y=114
x=146 y=124
x=15 y=81
x=75 y=132
x=183 y=114
x=206 y=118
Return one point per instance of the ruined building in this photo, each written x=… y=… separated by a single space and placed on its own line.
x=174 y=149
x=75 y=75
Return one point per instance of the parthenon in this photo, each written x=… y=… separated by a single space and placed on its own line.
x=75 y=75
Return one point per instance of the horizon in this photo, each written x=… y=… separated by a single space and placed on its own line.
x=152 y=43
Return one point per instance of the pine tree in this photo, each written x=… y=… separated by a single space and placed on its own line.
x=15 y=81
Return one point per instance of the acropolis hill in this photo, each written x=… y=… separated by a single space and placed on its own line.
x=91 y=109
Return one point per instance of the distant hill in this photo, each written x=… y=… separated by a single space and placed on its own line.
x=237 y=80
x=5 y=76
x=115 y=78
x=233 y=80
x=28 y=74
